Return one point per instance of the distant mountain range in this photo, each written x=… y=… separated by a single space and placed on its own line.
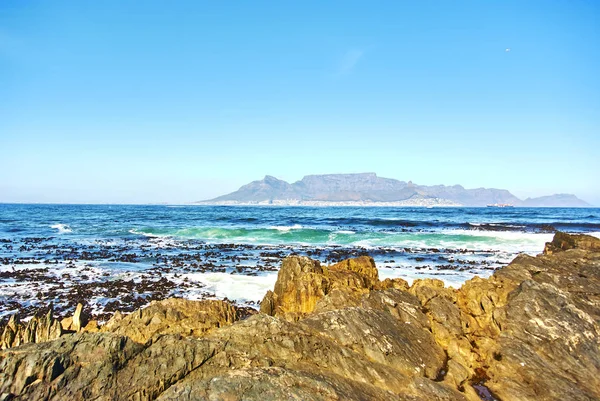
x=369 y=189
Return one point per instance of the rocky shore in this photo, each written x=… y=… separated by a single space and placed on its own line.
x=334 y=332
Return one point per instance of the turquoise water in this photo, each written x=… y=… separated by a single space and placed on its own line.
x=128 y=255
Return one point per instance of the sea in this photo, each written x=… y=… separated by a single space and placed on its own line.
x=121 y=257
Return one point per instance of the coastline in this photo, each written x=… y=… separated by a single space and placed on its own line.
x=525 y=333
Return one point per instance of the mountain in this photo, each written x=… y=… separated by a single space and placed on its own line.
x=558 y=200
x=368 y=188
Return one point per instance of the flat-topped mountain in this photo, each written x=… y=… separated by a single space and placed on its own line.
x=368 y=188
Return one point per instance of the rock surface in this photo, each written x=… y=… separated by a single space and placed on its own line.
x=174 y=316
x=37 y=329
x=529 y=332
x=303 y=282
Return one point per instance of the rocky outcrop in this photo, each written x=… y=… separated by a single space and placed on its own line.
x=303 y=282
x=174 y=316
x=529 y=332
x=37 y=329
x=79 y=321
x=563 y=242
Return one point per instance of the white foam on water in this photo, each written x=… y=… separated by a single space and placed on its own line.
x=240 y=288
x=62 y=228
x=286 y=228
x=454 y=279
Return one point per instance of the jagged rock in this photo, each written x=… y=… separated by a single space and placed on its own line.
x=529 y=332
x=562 y=242
x=263 y=342
x=37 y=329
x=302 y=282
x=75 y=367
x=66 y=323
x=173 y=316
x=80 y=318
x=338 y=299
x=397 y=283
x=92 y=327
x=359 y=272
x=276 y=383
x=235 y=362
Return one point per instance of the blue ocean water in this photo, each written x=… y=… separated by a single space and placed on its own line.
x=121 y=256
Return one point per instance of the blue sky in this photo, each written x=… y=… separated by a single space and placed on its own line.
x=152 y=101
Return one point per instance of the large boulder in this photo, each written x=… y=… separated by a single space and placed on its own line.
x=73 y=367
x=303 y=282
x=563 y=241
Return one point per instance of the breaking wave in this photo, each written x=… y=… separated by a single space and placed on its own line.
x=62 y=228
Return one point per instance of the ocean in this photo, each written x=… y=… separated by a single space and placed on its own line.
x=121 y=257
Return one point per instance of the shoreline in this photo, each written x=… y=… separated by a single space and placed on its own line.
x=337 y=328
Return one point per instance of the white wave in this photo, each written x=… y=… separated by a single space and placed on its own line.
x=233 y=286
x=345 y=232
x=286 y=228
x=453 y=279
x=62 y=228
x=149 y=235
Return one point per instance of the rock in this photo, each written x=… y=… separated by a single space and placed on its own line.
x=302 y=282
x=38 y=329
x=529 y=332
x=72 y=367
x=92 y=327
x=276 y=383
x=562 y=242
x=397 y=283
x=410 y=348
x=173 y=316
x=234 y=362
x=66 y=323
x=339 y=298
x=549 y=338
x=80 y=318
x=365 y=274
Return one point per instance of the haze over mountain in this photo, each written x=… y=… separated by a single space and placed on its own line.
x=368 y=188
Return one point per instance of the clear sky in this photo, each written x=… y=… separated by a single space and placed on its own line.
x=152 y=101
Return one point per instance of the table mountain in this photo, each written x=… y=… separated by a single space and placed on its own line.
x=368 y=188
